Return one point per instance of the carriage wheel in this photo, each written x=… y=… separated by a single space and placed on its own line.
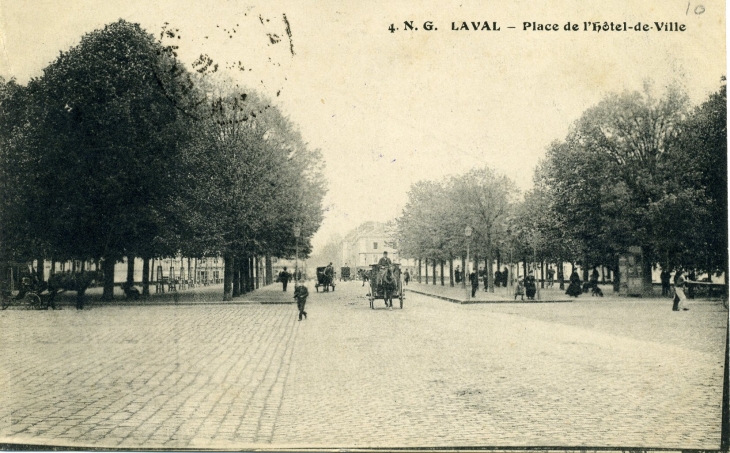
x=33 y=301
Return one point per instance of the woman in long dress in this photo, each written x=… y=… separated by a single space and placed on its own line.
x=530 y=286
x=574 y=289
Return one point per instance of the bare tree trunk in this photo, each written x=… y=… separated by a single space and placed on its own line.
x=249 y=274
x=244 y=275
x=257 y=266
x=433 y=268
x=647 y=289
x=489 y=271
x=236 y=291
x=616 y=276
x=227 y=277
x=464 y=275
x=146 y=277
x=130 y=270
x=542 y=274
x=561 y=275
x=426 y=266
x=39 y=270
x=269 y=270
x=476 y=268
x=524 y=266
x=441 y=262
x=451 y=271
x=487 y=274
x=419 y=270
x=107 y=266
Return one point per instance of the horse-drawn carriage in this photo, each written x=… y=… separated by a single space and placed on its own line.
x=22 y=287
x=386 y=283
x=345 y=273
x=325 y=279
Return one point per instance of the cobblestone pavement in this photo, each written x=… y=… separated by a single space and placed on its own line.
x=609 y=372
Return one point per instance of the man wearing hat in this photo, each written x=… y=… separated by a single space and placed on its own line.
x=385 y=261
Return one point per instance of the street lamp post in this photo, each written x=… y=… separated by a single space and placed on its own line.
x=510 y=283
x=297 y=232
x=467 y=233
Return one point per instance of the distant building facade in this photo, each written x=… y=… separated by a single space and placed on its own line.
x=365 y=245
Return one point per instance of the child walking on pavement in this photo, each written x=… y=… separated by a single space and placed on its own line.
x=300 y=294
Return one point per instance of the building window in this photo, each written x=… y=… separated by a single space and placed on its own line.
x=375 y=245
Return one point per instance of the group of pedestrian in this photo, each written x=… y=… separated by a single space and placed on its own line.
x=679 y=301
x=500 y=278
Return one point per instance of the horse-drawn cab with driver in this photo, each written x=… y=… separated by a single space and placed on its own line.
x=386 y=283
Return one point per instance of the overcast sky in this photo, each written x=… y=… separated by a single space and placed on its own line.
x=389 y=109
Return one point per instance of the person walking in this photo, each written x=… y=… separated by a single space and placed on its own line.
x=300 y=295
x=664 y=278
x=520 y=289
x=530 y=286
x=497 y=279
x=551 y=277
x=574 y=288
x=680 y=300
x=474 y=279
x=407 y=277
x=284 y=278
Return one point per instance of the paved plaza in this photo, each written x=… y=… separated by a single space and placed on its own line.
x=604 y=372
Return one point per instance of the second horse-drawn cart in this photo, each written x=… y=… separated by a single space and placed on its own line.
x=325 y=279
x=386 y=283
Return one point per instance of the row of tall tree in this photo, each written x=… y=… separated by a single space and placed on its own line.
x=638 y=170
x=118 y=149
x=434 y=221
x=634 y=170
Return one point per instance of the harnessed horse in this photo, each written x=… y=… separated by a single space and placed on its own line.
x=387 y=281
x=77 y=281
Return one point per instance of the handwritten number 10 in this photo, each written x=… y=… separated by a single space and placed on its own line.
x=699 y=9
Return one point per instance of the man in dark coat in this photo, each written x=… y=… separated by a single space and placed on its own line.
x=384 y=260
x=300 y=295
x=664 y=278
x=474 y=279
x=284 y=278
